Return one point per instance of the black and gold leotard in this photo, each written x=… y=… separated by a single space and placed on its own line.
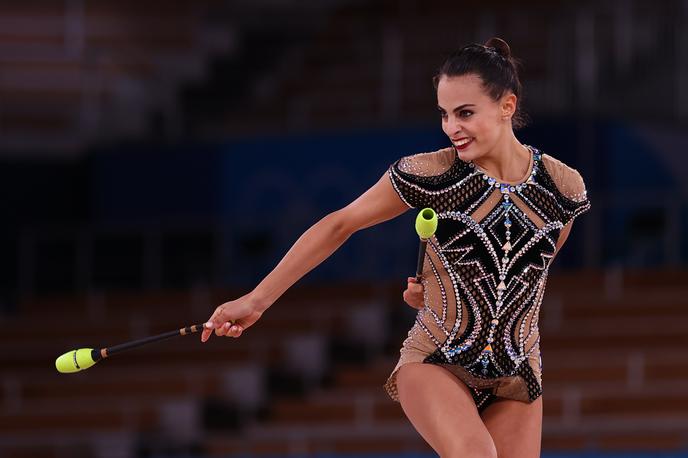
x=486 y=267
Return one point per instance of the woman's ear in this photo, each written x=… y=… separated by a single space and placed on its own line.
x=508 y=105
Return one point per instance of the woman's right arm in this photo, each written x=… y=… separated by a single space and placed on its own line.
x=378 y=204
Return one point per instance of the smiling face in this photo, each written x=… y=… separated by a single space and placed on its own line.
x=469 y=114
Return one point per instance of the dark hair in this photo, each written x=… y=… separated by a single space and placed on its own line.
x=495 y=66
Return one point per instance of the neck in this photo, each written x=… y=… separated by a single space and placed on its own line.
x=507 y=161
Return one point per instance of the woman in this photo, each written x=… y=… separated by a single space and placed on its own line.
x=469 y=375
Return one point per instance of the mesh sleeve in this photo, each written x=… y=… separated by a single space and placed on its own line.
x=571 y=190
x=414 y=177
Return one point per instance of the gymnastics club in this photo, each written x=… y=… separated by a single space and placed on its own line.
x=426 y=225
x=83 y=358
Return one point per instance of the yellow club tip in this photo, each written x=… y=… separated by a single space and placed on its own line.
x=426 y=223
x=74 y=361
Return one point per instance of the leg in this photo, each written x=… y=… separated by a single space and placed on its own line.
x=515 y=427
x=442 y=410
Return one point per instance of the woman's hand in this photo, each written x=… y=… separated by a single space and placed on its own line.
x=413 y=295
x=231 y=318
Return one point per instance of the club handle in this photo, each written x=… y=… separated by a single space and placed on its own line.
x=421 y=257
x=146 y=340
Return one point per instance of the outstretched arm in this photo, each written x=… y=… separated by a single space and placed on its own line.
x=378 y=204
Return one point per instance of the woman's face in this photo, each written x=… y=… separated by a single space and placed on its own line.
x=469 y=114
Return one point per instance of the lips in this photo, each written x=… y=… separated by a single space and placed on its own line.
x=462 y=143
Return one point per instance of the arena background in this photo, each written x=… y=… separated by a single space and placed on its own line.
x=158 y=158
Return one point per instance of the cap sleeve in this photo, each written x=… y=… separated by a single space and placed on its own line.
x=571 y=186
x=415 y=177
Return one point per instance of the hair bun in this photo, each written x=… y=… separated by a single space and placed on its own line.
x=500 y=46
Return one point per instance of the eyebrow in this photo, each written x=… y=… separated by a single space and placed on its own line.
x=459 y=107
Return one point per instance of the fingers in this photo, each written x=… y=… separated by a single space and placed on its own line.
x=414 y=300
x=410 y=298
x=234 y=330
x=413 y=295
x=231 y=319
x=414 y=286
x=219 y=318
x=406 y=297
x=216 y=322
x=228 y=329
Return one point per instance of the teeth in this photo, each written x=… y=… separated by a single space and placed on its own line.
x=464 y=141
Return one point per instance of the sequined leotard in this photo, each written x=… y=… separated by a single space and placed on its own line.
x=486 y=267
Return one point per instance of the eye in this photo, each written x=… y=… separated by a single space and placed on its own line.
x=443 y=114
x=461 y=113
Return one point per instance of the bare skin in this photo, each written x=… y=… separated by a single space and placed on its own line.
x=438 y=405
x=443 y=412
x=515 y=427
x=468 y=112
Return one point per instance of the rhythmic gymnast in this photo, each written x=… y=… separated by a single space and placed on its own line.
x=469 y=373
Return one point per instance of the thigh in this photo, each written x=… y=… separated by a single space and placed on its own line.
x=442 y=410
x=515 y=427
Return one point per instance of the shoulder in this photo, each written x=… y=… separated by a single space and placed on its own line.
x=426 y=164
x=567 y=179
x=415 y=176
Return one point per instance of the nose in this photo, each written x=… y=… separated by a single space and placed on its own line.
x=454 y=121
x=453 y=127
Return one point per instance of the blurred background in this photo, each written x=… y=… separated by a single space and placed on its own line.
x=159 y=158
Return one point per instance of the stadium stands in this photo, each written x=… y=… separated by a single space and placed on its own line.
x=614 y=372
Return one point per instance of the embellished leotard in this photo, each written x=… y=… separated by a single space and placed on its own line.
x=485 y=268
